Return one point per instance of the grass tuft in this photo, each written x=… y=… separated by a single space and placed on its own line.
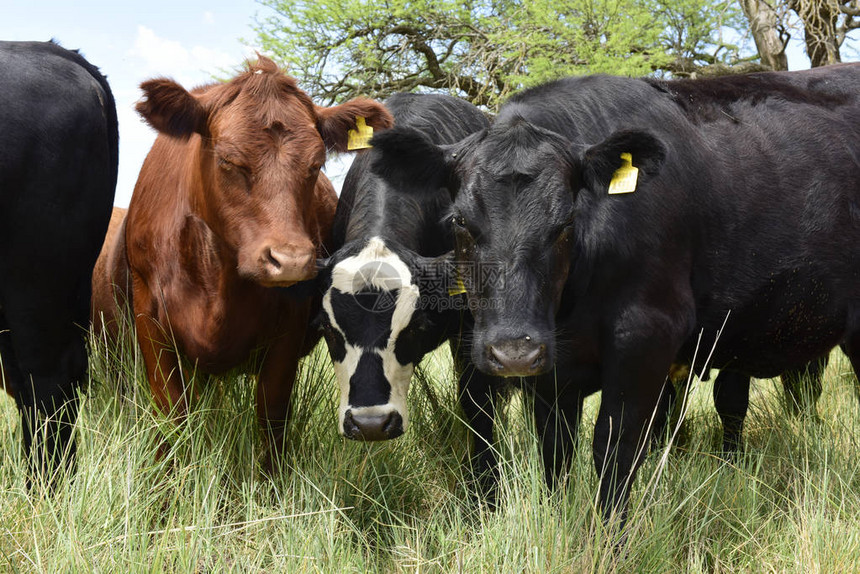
x=791 y=503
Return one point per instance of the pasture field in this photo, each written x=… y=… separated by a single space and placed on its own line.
x=791 y=504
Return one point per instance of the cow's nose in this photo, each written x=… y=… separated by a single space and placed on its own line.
x=284 y=265
x=521 y=357
x=372 y=427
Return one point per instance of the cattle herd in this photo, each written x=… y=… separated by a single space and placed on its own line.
x=592 y=236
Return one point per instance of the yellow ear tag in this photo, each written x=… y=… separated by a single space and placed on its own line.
x=359 y=138
x=624 y=178
x=457 y=287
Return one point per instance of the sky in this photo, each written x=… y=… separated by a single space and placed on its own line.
x=190 y=41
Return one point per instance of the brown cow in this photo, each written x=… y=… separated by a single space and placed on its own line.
x=111 y=279
x=229 y=202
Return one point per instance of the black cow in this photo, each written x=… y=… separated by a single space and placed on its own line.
x=801 y=390
x=746 y=211
x=384 y=306
x=58 y=169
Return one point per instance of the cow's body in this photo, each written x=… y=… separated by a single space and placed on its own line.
x=111 y=280
x=745 y=219
x=386 y=303
x=230 y=202
x=58 y=169
x=781 y=230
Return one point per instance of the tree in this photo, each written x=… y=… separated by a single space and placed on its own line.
x=703 y=37
x=550 y=39
x=825 y=25
x=342 y=48
x=768 y=32
x=485 y=49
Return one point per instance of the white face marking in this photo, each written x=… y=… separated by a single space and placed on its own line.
x=378 y=267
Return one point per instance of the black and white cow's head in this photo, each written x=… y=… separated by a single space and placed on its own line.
x=379 y=316
x=517 y=191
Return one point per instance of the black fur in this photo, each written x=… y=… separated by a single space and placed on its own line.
x=408 y=214
x=365 y=316
x=368 y=387
x=707 y=99
x=747 y=205
x=58 y=170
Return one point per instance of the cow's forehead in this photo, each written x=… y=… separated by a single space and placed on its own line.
x=264 y=110
x=499 y=199
x=374 y=267
x=284 y=128
x=517 y=145
x=513 y=158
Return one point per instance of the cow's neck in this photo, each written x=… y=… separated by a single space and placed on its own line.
x=411 y=221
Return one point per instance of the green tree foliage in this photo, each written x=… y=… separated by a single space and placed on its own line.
x=702 y=33
x=571 y=37
x=485 y=49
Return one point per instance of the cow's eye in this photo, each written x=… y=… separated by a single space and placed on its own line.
x=231 y=167
x=329 y=333
x=566 y=231
x=406 y=331
x=236 y=173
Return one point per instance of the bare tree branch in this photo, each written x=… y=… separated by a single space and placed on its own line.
x=763 y=21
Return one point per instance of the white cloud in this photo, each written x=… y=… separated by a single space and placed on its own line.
x=189 y=66
x=213 y=60
x=152 y=55
x=191 y=62
x=158 y=53
x=208 y=17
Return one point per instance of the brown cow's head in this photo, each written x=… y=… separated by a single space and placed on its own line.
x=261 y=144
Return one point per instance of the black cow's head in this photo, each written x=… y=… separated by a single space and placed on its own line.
x=379 y=316
x=517 y=191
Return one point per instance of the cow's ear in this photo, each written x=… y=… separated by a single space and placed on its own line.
x=170 y=109
x=335 y=123
x=601 y=162
x=403 y=156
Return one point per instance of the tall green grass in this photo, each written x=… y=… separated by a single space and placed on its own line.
x=791 y=504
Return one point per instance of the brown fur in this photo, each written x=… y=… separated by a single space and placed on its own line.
x=231 y=184
x=111 y=279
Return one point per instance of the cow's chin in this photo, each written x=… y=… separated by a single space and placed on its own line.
x=264 y=277
x=265 y=282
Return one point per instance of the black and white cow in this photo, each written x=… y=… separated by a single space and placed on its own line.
x=383 y=308
x=58 y=169
x=744 y=217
